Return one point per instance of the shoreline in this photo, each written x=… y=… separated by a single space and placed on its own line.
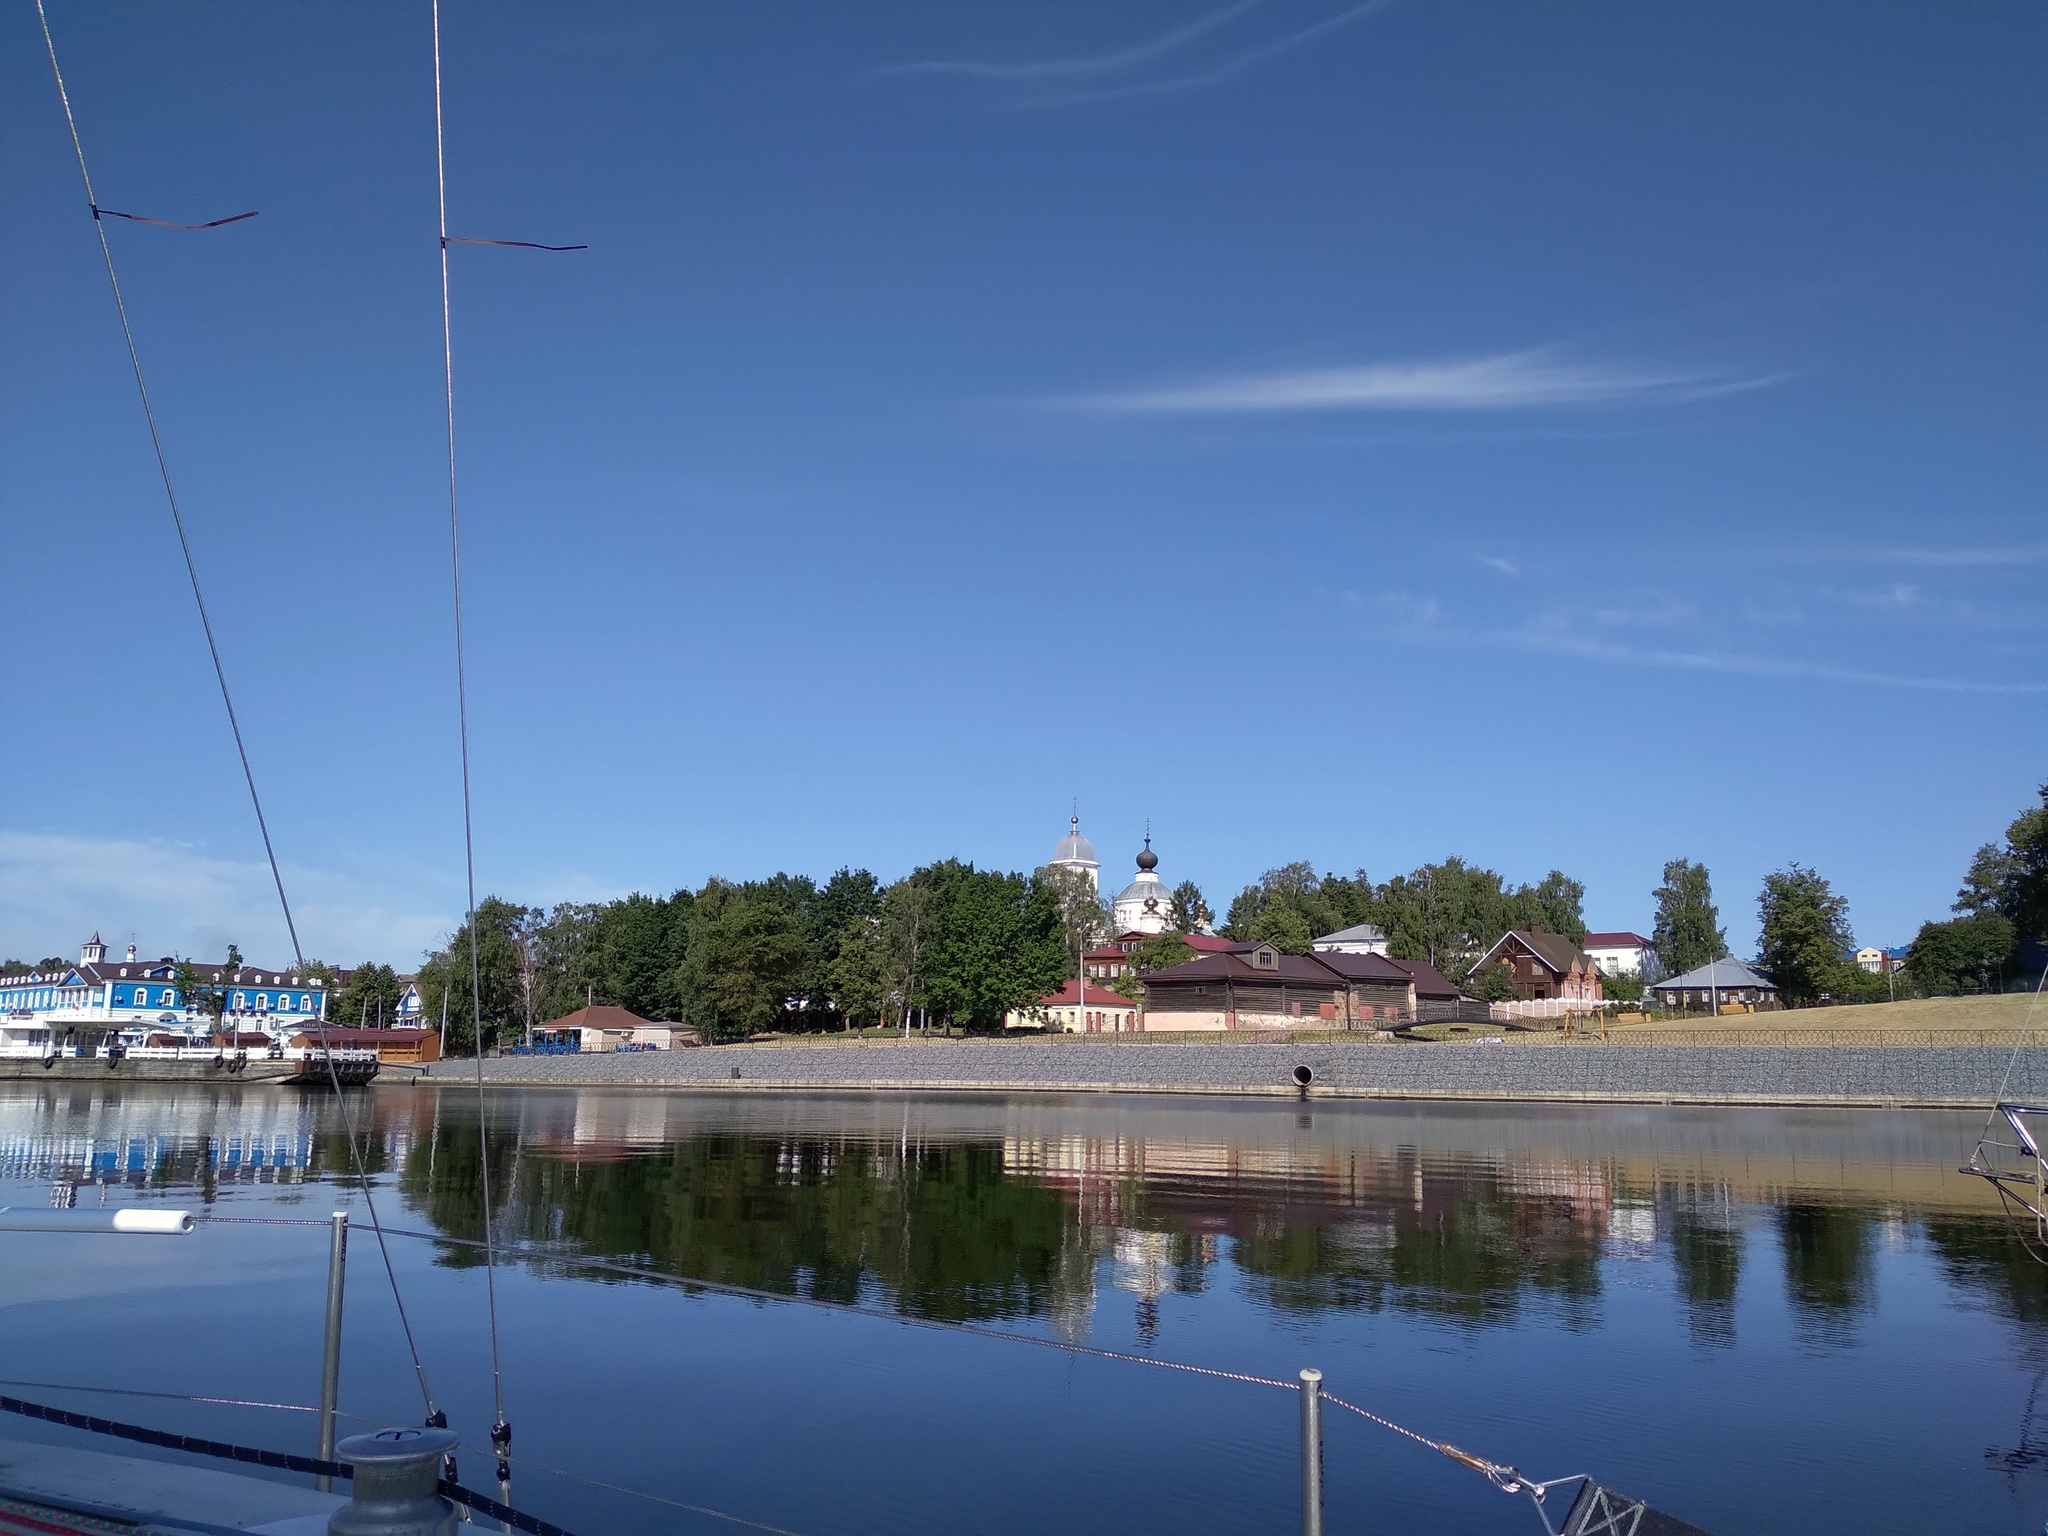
x=1765 y=1076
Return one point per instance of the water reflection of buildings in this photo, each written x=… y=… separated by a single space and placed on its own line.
x=1319 y=1221
x=147 y=1135
x=116 y=1137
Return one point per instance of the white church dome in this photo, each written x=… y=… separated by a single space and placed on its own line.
x=1074 y=848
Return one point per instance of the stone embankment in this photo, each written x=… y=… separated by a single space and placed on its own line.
x=1876 y=1076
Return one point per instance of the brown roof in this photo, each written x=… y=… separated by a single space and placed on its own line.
x=1235 y=964
x=364 y=1036
x=1429 y=981
x=1362 y=967
x=1557 y=952
x=598 y=1016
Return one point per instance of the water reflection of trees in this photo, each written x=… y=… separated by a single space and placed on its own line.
x=940 y=1230
x=1983 y=1255
x=1828 y=1263
x=1475 y=1253
x=1706 y=1258
x=1052 y=1223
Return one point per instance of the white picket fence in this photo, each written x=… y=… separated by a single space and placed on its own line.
x=1547 y=1008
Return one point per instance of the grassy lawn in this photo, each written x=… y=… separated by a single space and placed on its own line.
x=1976 y=1018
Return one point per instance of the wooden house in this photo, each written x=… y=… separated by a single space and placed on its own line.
x=400 y=1047
x=1256 y=986
x=1544 y=964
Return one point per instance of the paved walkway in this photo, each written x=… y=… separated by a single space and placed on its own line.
x=1944 y=1076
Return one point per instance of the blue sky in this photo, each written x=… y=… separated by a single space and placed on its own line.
x=1567 y=436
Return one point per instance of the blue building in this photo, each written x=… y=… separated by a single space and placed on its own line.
x=102 y=993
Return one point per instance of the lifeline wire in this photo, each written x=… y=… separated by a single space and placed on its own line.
x=2006 y=1198
x=1506 y=1478
x=652 y=1498
x=213 y=650
x=501 y=1430
x=175 y=1397
x=283 y=1461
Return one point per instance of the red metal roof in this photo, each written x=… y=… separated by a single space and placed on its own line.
x=1099 y=996
x=600 y=1016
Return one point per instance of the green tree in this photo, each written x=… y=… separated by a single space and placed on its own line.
x=446 y=975
x=1293 y=888
x=859 y=973
x=1160 y=952
x=994 y=941
x=1623 y=986
x=1282 y=926
x=1556 y=903
x=1187 y=911
x=1805 y=935
x=851 y=899
x=1446 y=914
x=1688 y=933
x=2012 y=881
x=742 y=962
x=1965 y=954
x=371 y=996
x=205 y=987
x=1084 y=916
x=1493 y=983
x=1350 y=900
x=906 y=934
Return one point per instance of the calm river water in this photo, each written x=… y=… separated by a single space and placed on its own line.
x=1760 y=1320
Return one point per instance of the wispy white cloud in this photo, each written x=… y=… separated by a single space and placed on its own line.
x=2012 y=554
x=1053 y=82
x=1750 y=666
x=1650 y=612
x=1599 y=634
x=1500 y=563
x=172 y=897
x=1899 y=597
x=1097 y=64
x=1509 y=381
x=1404 y=610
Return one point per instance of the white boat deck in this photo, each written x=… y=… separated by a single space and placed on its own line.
x=55 y=1488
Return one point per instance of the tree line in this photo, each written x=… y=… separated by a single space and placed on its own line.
x=948 y=945
x=960 y=947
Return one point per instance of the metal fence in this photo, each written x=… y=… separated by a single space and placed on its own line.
x=1654 y=1035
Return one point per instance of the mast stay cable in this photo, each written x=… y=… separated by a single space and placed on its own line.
x=220 y=671
x=501 y=1428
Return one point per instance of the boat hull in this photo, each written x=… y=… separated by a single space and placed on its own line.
x=308 y=1072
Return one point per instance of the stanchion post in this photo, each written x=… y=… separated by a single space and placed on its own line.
x=330 y=1361
x=1311 y=1453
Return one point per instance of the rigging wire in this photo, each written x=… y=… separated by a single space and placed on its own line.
x=175 y=1397
x=501 y=1428
x=652 y=1498
x=219 y=669
x=1504 y=1477
x=2010 y=1205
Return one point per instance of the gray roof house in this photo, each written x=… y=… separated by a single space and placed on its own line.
x=1725 y=981
x=1363 y=939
